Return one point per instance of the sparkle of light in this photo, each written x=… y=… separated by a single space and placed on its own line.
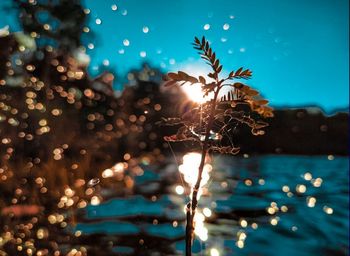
x=300 y=188
x=327 y=209
x=179 y=190
x=226 y=26
x=126 y=42
x=307 y=176
x=145 y=29
x=214 y=252
x=207 y=212
x=143 y=54
x=311 y=201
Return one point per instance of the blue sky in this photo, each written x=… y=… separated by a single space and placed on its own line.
x=298 y=50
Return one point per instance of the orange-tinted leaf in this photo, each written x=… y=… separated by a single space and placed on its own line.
x=219 y=69
x=238 y=85
x=216 y=64
x=252 y=92
x=213 y=57
x=261 y=102
x=192 y=79
x=238 y=71
x=211 y=75
x=202 y=80
x=182 y=75
x=170 y=83
x=173 y=76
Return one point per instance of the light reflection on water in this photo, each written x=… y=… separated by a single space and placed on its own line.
x=267 y=205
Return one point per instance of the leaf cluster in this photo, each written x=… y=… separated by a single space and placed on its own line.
x=210 y=122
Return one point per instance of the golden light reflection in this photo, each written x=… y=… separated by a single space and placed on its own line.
x=285 y=189
x=241 y=237
x=311 y=201
x=95 y=200
x=189 y=170
x=115 y=171
x=316 y=182
x=200 y=230
x=255 y=225
x=284 y=208
x=274 y=221
x=307 y=176
x=243 y=223
x=214 y=252
x=300 y=188
x=328 y=209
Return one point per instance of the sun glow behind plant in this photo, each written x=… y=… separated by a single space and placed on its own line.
x=194 y=91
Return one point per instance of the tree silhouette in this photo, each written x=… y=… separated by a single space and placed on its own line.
x=60 y=23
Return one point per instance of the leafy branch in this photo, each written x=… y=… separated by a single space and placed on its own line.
x=210 y=123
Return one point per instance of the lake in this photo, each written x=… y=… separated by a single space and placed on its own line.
x=252 y=205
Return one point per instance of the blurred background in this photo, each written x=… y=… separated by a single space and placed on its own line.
x=84 y=169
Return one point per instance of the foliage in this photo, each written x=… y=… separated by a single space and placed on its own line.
x=59 y=23
x=219 y=113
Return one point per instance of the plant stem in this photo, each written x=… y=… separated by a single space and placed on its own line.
x=188 y=230
x=192 y=206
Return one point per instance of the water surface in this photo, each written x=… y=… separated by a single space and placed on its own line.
x=265 y=205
